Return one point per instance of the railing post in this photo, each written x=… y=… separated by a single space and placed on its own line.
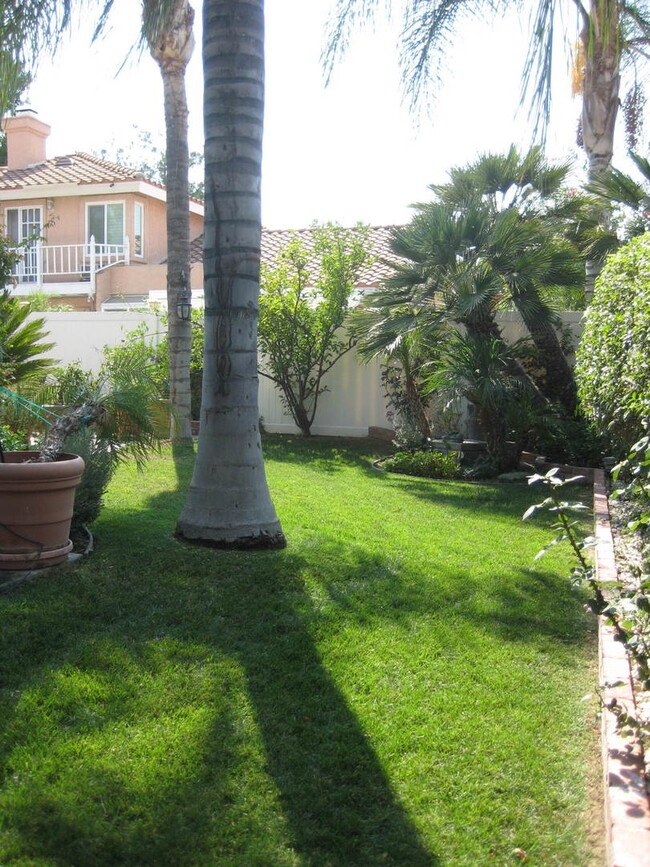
x=92 y=266
x=127 y=251
x=39 y=264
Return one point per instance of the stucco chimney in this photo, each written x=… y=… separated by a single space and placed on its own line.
x=26 y=139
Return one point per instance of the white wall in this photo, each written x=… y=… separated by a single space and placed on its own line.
x=354 y=400
x=82 y=336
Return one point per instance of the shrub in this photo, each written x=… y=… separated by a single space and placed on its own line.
x=13 y=440
x=67 y=385
x=99 y=468
x=430 y=465
x=613 y=359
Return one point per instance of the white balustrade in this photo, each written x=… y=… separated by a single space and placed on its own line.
x=81 y=261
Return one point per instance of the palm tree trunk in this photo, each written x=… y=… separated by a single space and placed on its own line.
x=228 y=503
x=483 y=324
x=172 y=49
x=560 y=383
x=602 y=80
x=600 y=99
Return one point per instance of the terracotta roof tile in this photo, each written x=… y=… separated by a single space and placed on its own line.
x=78 y=168
x=274 y=240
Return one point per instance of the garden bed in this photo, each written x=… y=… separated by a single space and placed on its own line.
x=627 y=805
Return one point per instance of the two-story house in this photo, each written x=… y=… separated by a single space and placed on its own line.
x=95 y=232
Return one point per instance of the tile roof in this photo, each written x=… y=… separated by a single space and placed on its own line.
x=78 y=168
x=274 y=240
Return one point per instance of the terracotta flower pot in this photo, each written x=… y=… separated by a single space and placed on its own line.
x=36 y=503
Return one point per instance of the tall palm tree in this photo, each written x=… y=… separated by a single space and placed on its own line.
x=228 y=503
x=167 y=30
x=606 y=30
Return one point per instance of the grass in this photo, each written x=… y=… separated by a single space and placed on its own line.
x=400 y=686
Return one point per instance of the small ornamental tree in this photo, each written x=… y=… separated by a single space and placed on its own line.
x=305 y=298
x=613 y=359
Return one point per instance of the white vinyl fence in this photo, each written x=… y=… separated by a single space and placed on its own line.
x=353 y=402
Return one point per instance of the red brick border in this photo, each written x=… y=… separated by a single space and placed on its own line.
x=627 y=806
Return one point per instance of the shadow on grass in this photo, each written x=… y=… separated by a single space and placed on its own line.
x=327 y=454
x=477 y=497
x=168 y=704
x=188 y=719
x=524 y=605
x=183 y=456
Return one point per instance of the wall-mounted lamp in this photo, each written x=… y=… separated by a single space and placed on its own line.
x=49 y=203
x=184 y=302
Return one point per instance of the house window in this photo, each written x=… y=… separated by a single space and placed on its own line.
x=138 y=230
x=106 y=223
x=24 y=226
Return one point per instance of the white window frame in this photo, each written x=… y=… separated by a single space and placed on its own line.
x=138 y=207
x=27 y=270
x=104 y=204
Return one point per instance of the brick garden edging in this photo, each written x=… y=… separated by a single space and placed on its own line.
x=627 y=805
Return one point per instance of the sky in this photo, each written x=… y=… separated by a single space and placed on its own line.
x=348 y=153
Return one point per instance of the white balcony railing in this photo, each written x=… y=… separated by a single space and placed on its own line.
x=78 y=262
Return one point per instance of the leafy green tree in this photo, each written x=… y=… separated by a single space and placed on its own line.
x=144 y=153
x=304 y=302
x=613 y=358
x=228 y=502
x=607 y=33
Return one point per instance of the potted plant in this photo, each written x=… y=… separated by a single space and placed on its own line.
x=108 y=419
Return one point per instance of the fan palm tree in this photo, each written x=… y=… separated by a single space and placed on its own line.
x=606 y=31
x=228 y=503
x=532 y=244
x=477 y=368
x=398 y=339
x=498 y=232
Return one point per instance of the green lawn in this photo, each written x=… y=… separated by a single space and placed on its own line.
x=401 y=686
